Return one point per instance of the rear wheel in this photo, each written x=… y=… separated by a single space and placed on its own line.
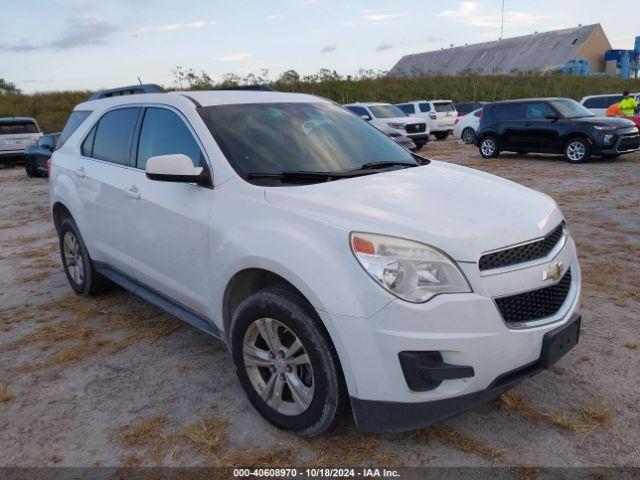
x=28 y=167
x=81 y=274
x=468 y=135
x=489 y=147
x=577 y=150
x=286 y=362
x=441 y=135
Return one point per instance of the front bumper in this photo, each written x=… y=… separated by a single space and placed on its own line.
x=628 y=143
x=11 y=156
x=466 y=329
x=418 y=137
x=388 y=417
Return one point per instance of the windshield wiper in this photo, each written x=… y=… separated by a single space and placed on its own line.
x=383 y=164
x=304 y=176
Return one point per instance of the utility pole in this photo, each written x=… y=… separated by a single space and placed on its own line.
x=502 y=21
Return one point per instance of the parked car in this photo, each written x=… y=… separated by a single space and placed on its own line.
x=439 y=114
x=37 y=154
x=16 y=134
x=337 y=266
x=598 y=104
x=466 y=126
x=463 y=108
x=400 y=139
x=386 y=115
x=553 y=125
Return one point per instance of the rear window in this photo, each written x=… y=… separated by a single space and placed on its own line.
x=443 y=107
x=509 y=110
x=18 y=127
x=112 y=142
x=75 y=120
x=407 y=108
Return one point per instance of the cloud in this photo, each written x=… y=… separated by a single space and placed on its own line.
x=384 y=46
x=381 y=18
x=470 y=13
x=233 y=57
x=331 y=47
x=274 y=17
x=81 y=31
x=177 y=26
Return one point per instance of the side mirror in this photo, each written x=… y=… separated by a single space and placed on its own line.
x=175 y=168
x=365 y=117
x=551 y=116
x=46 y=146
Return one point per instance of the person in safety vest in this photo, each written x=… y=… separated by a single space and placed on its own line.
x=613 y=110
x=628 y=105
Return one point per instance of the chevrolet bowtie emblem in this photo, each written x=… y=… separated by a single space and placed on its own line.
x=553 y=272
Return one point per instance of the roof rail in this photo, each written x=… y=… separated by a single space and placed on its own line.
x=260 y=88
x=129 y=90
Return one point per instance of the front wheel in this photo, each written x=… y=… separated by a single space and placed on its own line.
x=577 y=150
x=441 y=135
x=468 y=135
x=286 y=363
x=489 y=147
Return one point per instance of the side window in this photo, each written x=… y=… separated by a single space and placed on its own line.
x=592 y=103
x=164 y=133
x=87 y=145
x=112 y=142
x=75 y=120
x=407 y=108
x=425 y=107
x=539 y=110
x=358 y=110
x=509 y=111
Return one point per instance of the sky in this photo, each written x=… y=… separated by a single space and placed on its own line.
x=81 y=44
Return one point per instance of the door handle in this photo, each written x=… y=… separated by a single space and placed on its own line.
x=79 y=172
x=132 y=192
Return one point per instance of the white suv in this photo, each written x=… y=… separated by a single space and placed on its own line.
x=439 y=114
x=336 y=266
x=16 y=134
x=598 y=104
x=388 y=116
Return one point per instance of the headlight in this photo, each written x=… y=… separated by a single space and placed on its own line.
x=604 y=127
x=410 y=270
x=398 y=126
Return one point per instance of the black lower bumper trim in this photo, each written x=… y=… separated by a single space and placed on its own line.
x=390 y=417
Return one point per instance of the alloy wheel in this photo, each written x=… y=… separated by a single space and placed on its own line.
x=488 y=146
x=73 y=257
x=278 y=366
x=467 y=135
x=576 y=151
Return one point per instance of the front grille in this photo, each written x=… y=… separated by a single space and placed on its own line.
x=416 y=127
x=536 y=304
x=523 y=253
x=629 y=143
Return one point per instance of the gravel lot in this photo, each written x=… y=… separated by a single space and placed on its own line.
x=113 y=381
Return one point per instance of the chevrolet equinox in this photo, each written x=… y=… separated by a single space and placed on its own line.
x=338 y=267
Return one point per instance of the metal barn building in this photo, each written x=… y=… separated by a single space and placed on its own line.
x=539 y=52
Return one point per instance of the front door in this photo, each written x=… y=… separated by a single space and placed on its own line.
x=167 y=223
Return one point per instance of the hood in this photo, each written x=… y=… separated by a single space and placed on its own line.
x=610 y=121
x=461 y=211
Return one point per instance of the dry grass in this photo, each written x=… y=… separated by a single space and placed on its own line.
x=148 y=435
x=590 y=417
x=32 y=254
x=208 y=435
x=5 y=395
x=259 y=458
x=36 y=277
x=450 y=437
x=631 y=346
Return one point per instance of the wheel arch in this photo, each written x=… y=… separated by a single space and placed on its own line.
x=59 y=211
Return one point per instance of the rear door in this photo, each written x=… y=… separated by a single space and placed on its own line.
x=167 y=223
x=508 y=119
x=102 y=176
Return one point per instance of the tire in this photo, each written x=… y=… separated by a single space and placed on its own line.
x=420 y=144
x=28 y=167
x=489 y=146
x=577 y=150
x=468 y=135
x=441 y=135
x=81 y=274
x=322 y=393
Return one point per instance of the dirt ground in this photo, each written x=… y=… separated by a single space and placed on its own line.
x=113 y=381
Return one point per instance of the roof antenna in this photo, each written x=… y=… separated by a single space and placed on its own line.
x=139 y=81
x=502 y=21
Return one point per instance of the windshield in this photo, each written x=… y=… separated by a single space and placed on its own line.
x=299 y=137
x=571 y=109
x=386 y=111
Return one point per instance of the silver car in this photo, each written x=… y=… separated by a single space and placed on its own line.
x=16 y=134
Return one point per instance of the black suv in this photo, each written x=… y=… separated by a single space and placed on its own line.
x=553 y=125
